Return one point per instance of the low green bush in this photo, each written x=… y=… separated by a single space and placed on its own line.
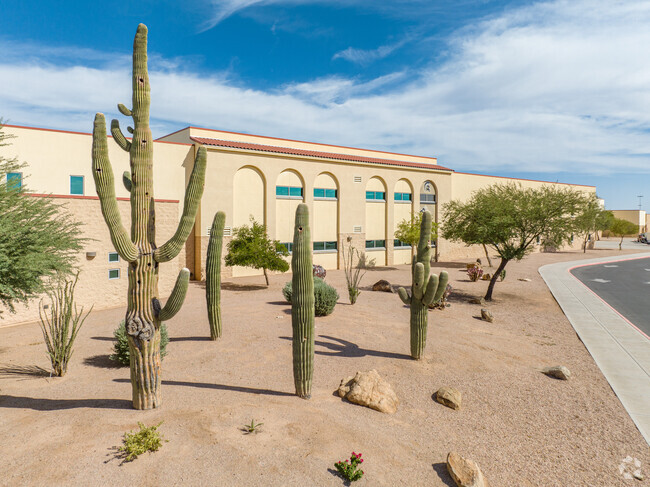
x=325 y=296
x=121 y=347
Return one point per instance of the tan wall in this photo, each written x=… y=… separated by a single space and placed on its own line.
x=638 y=217
x=94 y=287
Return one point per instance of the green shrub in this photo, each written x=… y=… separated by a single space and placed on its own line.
x=325 y=296
x=121 y=347
x=139 y=442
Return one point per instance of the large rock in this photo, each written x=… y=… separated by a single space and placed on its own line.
x=369 y=389
x=450 y=397
x=558 y=371
x=487 y=315
x=465 y=472
x=383 y=286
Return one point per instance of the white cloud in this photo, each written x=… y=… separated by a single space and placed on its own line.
x=368 y=56
x=559 y=86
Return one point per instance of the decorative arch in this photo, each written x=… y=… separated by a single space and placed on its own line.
x=249 y=187
x=376 y=213
x=428 y=195
x=291 y=178
x=289 y=193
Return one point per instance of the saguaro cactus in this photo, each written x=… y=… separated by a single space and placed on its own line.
x=213 y=274
x=302 y=304
x=425 y=289
x=144 y=314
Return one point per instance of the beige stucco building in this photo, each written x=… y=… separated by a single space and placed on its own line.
x=638 y=217
x=355 y=195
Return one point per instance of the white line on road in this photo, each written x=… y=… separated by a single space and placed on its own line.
x=600 y=280
x=614 y=265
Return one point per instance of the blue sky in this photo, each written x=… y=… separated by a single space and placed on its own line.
x=554 y=90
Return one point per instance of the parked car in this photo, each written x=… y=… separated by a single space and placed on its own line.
x=643 y=238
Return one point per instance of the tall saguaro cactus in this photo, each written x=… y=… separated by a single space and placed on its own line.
x=213 y=274
x=144 y=314
x=302 y=304
x=426 y=289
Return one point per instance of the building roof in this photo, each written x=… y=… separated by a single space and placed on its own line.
x=311 y=153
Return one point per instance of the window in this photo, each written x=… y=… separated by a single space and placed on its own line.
x=375 y=195
x=14 y=180
x=403 y=197
x=113 y=257
x=76 y=185
x=428 y=198
x=288 y=191
x=375 y=244
x=288 y=246
x=325 y=246
x=325 y=193
x=398 y=243
x=113 y=273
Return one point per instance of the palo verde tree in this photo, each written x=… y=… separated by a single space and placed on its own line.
x=510 y=219
x=144 y=313
x=591 y=218
x=39 y=240
x=622 y=228
x=252 y=247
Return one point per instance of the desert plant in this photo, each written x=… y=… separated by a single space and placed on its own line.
x=442 y=303
x=252 y=247
x=252 y=428
x=213 y=274
x=502 y=276
x=61 y=327
x=325 y=296
x=319 y=271
x=302 y=304
x=144 y=313
x=349 y=469
x=474 y=273
x=354 y=273
x=622 y=228
x=121 y=352
x=426 y=289
x=139 y=442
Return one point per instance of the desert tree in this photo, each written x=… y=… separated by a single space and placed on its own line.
x=622 y=228
x=510 y=219
x=591 y=218
x=252 y=247
x=39 y=239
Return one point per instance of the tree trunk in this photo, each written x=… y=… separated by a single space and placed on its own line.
x=502 y=265
x=584 y=246
x=487 y=256
x=620 y=244
x=266 y=277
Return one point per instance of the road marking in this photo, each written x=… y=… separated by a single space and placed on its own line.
x=600 y=280
x=613 y=266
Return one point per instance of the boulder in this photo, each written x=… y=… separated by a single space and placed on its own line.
x=450 y=397
x=370 y=390
x=558 y=371
x=383 y=286
x=465 y=472
x=486 y=315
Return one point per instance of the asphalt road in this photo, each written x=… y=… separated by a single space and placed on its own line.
x=624 y=285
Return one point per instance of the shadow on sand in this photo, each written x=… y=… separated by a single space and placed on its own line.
x=23 y=371
x=231 y=286
x=443 y=474
x=220 y=387
x=102 y=362
x=344 y=348
x=39 y=404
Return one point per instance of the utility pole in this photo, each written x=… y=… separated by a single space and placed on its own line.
x=640 y=196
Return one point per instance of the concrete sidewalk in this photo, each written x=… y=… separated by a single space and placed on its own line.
x=621 y=351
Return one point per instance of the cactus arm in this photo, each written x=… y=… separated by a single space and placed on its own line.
x=118 y=136
x=126 y=180
x=418 y=281
x=442 y=286
x=193 y=194
x=404 y=296
x=104 y=183
x=177 y=296
x=213 y=274
x=432 y=288
x=123 y=110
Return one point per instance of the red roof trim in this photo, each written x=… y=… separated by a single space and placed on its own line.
x=299 y=141
x=84 y=197
x=523 y=179
x=310 y=153
x=81 y=133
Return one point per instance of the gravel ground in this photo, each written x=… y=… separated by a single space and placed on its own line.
x=521 y=427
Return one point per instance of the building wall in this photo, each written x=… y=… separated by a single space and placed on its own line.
x=638 y=217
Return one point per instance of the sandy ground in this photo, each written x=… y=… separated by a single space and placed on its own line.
x=523 y=428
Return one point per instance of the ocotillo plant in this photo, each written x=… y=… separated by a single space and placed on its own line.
x=144 y=314
x=302 y=304
x=425 y=289
x=213 y=274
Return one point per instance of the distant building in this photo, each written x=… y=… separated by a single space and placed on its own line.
x=638 y=217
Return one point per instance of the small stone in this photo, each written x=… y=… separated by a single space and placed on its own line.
x=370 y=390
x=279 y=317
x=450 y=397
x=637 y=474
x=524 y=279
x=480 y=301
x=486 y=315
x=382 y=286
x=465 y=472
x=559 y=372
